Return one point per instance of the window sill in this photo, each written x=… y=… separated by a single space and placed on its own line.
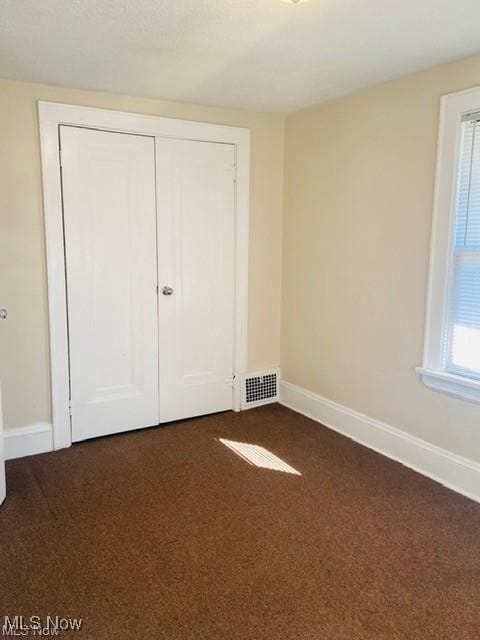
x=457 y=386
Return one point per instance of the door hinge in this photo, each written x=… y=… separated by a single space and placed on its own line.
x=60 y=156
x=70 y=408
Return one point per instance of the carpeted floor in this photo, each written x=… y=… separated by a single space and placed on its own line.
x=166 y=534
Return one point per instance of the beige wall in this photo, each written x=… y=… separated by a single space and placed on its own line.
x=358 y=209
x=24 y=358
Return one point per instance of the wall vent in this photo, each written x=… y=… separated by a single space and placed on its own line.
x=260 y=388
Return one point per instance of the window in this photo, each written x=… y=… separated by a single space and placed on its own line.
x=452 y=335
x=463 y=353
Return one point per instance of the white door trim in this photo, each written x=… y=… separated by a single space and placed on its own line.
x=51 y=115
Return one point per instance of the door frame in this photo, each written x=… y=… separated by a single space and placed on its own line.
x=51 y=115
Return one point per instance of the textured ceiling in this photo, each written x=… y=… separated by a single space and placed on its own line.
x=252 y=54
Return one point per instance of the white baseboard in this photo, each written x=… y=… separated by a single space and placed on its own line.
x=27 y=441
x=455 y=472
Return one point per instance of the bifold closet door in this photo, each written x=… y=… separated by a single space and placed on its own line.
x=108 y=183
x=196 y=214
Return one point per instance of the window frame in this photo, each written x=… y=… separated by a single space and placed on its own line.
x=453 y=108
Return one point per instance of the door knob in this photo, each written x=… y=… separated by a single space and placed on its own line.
x=167 y=291
x=3 y=314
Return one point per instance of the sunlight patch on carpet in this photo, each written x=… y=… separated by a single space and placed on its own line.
x=259 y=456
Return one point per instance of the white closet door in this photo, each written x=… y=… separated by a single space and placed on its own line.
x=195 y=191
x=108 y=182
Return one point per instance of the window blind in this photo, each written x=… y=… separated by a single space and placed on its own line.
x=463 y=335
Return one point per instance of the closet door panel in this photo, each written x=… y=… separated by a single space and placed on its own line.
x=196 y=214
x=108 y=182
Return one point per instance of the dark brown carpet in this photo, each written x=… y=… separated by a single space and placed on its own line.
x=164 y=533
